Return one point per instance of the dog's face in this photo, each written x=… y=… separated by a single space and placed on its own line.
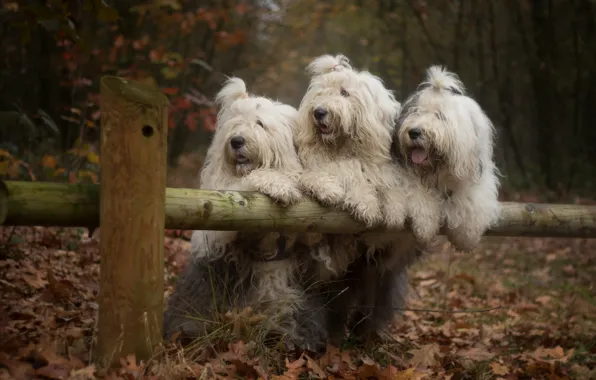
x=252 y=132
x=336 y=103
x=440 y=128
x=256 y=133
x=342 y=104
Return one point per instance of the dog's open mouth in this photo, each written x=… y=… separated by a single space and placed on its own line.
x=241 y=159
x=418 y=155
x=323 y=129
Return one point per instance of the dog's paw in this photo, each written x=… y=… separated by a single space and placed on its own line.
x=464 y=239
x=426 y=219
x=425 y=228
x=284 y=194
x=395 y=216
x=325 y=190
x=368 y=213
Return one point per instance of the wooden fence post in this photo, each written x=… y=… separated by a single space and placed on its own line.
x=132 y=213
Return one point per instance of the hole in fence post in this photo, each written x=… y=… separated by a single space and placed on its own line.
x=147 y=131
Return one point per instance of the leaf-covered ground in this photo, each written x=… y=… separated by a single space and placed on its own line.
x=517 y=309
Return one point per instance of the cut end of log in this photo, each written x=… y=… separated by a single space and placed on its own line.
x=134 y=91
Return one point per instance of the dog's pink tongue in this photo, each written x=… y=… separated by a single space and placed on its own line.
x=418 y=155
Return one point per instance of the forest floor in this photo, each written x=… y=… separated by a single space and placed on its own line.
x=526 y=310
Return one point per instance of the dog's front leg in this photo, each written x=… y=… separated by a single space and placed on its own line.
x=362 y=199
x=424 y=210
x=469 y=213
x=324 y=185
x=279 y=186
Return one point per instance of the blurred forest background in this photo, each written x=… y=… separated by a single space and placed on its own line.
x=531 y=64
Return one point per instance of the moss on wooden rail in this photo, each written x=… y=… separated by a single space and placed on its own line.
x=56 y=204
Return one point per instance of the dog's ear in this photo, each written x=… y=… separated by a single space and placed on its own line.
x=383 y=97
x=234 y=88
x=328 y=63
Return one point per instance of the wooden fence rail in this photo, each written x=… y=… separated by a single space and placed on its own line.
x=58 y=204
x=135 y=208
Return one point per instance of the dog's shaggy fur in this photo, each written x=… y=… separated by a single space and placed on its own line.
x=252 y=150
x=346 y=121
x=444 y=137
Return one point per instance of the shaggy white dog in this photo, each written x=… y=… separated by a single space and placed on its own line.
x=444 y=137
x=346 y=121
x=252 y=150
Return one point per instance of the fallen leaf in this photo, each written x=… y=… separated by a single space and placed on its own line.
x=390 y=372
x=18 y=369
x=544 y=300
x=557 y=354
x=425 y=356
x=427 y=283
x=369 y=369
x=409 y=374
x=129 y=364
x=57 y=290
x=295 y=368
x=245 y=368
x=35 y=281
x=54 y=371
x=499 y=369
x=315 y=368
x=476 y=354
x=87 y=373
x=465 y=277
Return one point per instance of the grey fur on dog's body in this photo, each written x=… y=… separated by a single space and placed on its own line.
x=209 y=287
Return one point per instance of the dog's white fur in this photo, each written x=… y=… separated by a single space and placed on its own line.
x=455 y=147
x=344 y=166
x=267 y=163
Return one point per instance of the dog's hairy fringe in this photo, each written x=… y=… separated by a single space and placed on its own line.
x=440 y=79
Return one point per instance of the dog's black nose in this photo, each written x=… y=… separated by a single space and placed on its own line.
x=237 y=142
x=320 y=113
x=414 y=133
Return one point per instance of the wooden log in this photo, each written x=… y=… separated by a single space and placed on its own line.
x=55 y=204
x=133 y=144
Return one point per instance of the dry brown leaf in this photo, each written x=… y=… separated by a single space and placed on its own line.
x=87 y=373
x=57 y=290
x=129 y=364
x=245 y=368
x=53 y=371
x=315 y=368
x=390 y=372
x=409 y=374
x=237 y=348
x=476 y=354
x=466 y=277
x=18 y=369
x=427 y=283
x=556 y=354
x=369 y=369
x=544 y=300
x=295 y=368
x=331 y=355
x=425 y=356
x=35 y=281
x=499 y=369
